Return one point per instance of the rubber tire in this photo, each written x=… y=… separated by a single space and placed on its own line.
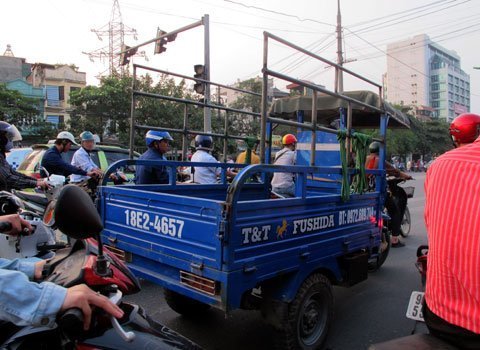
x=289 y=337
x=407 y=218
x=183 y=305
x=374 y=265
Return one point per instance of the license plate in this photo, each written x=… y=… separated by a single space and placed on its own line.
x=415 y=306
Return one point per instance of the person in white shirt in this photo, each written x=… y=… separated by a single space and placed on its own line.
x=205 y=175
x=82 y=158
x=283 y=183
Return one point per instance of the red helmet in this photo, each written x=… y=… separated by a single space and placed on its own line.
x=288 y=139
x=465 y=128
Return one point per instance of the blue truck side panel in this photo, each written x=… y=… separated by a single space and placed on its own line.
x=240 y=243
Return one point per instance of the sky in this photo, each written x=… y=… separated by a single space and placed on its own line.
x=58 y=31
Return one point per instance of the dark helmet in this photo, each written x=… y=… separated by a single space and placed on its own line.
x=8 y=134
x=374 y=147
x=204 y=142
x=465 y=128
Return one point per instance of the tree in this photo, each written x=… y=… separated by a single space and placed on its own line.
x=103 y=109
x=242 y=123
x=24 y=112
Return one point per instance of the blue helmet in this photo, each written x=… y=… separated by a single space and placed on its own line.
x=153 y=135
x=204 y=142
x=87 y=136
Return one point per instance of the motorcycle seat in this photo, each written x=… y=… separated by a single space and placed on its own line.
x=417 y=341
x=38 y=198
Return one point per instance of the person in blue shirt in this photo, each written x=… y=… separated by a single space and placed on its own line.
x=82 y=158
x=53 y=162
x=158 y=143
x=25 y=302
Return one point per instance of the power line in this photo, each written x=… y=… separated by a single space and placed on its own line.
x=396 y=13
x=425 y=42
x=379 y=26
x=451 y=23
x=280 y=13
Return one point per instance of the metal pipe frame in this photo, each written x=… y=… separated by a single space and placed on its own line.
x=132 y=115
x=161 y=71
x=188 y=132
x=173 y=32
x=333 y=64
x=320 y=89
x=192 y=102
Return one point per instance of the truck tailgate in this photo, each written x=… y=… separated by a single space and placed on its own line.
x=160 y=226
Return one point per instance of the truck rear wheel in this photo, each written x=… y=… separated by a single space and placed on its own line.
x=308 y=317
x=183 y=305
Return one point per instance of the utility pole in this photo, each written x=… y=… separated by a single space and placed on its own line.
x=207 y=115
x=339 y=72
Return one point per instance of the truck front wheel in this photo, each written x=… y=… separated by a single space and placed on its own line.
x=183 y=305
x=308 y=317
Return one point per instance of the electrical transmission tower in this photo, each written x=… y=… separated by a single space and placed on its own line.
x=116 y=31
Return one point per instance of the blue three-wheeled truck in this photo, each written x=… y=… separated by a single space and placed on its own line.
x=237 y=245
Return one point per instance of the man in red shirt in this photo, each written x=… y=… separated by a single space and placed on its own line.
x=452 y=191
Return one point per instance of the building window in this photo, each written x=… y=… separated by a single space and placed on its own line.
x=55 y=94
x=435 y=87
x=434 y=78
x=435 y=96
x=55 y=119
x=74 y=88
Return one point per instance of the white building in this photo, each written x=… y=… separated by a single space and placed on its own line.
x=422 y=73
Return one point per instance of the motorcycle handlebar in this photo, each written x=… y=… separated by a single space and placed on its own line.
x=71 y=321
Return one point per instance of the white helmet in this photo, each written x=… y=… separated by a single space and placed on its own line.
x=65 y=135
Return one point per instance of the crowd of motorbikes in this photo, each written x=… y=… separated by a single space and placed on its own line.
x=72 y=245
x=78 y=259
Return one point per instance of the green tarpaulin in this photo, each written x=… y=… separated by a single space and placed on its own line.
x=328 y=109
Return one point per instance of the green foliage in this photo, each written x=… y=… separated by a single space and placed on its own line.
x=16 y=108
x=24 y=113
x=423 y=138
x=245 y=124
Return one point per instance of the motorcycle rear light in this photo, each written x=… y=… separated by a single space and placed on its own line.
x=201 y=284
x=380 y=224
x=36 y=175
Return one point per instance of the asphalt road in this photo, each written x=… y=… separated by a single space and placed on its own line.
x=370 y=312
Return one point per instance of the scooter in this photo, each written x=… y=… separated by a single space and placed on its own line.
x=87 y=262
x=37 y=202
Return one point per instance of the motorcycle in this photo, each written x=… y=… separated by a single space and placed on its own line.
x=39 y=243
x=415 y=312
x=400 y=197
x=87 y=262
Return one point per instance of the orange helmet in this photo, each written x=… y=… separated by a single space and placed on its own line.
x=465 y=128
x=288 y=139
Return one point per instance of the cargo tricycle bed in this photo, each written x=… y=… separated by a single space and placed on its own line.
x=240 y=245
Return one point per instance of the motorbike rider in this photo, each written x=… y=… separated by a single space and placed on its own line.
x=452 y=194
x=283 y=183
x=206 y=175
x=25 y=302
x=52 y=159
x=396 y=201
x=158 y=143
x=9 y=178
x=82 y=157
